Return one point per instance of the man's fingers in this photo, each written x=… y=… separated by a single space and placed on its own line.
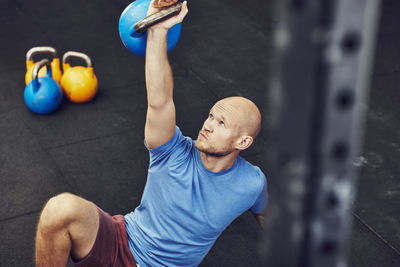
x=163 y=3
x=157 y=5
x=162 y=20
x=184 y=11
x=179 y=18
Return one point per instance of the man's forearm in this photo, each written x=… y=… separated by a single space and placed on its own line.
x=159 y=80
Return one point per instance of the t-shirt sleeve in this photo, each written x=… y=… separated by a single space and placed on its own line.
x=262 y=198
x=174 y=145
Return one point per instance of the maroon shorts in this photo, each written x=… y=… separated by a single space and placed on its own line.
x=111 y=247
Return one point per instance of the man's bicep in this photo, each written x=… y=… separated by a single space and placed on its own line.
x=160 y=124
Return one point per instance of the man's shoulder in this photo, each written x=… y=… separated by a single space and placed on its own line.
x=182 y=145
x=184 y=140
x=245 y=165
x=177 y=140
x=251 y=172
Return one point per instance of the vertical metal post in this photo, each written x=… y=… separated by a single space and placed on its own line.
x=318 y=84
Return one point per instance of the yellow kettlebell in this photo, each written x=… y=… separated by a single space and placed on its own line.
x=79 y=83
x=55 y=63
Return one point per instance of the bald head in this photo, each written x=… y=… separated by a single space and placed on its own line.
x=248 y=116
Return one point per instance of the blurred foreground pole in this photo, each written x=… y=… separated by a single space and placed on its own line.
x=318 y=88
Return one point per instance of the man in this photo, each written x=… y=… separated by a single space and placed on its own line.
x=193 y=192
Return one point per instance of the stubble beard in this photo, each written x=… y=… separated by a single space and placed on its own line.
x=211 y=150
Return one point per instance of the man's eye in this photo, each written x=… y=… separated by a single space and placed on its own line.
x=211 y=116
x=221 y=123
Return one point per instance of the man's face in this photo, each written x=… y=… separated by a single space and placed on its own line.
x=219 y=133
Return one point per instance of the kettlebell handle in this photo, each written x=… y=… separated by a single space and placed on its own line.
x=39 y=65
x=40 y=50
x=78 y=55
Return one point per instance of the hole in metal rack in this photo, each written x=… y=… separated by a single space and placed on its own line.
x=328 y=246
x=298 y=4
x=331 y=201
x=344 y=99
x=340 y=150
x=351 y=42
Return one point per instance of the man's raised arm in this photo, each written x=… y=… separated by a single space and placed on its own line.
x=160 y=119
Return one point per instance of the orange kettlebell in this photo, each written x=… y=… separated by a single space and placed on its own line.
x=55 y=64
x=79 y=83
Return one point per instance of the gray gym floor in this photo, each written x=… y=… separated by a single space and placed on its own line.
x=96 y=150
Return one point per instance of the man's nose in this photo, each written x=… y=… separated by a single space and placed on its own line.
x=208 y=126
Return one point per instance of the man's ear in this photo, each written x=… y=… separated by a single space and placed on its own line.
x=244 y=142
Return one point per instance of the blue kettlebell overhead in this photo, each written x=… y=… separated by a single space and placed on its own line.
x=43 y=95
x=136 y=41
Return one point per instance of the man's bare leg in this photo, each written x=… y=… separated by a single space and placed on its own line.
x=68 y=225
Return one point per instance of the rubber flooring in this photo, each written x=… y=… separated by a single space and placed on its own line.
x=96 y=149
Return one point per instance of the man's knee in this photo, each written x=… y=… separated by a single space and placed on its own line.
x=60 y=211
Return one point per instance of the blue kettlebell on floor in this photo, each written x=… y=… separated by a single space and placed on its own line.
x=134 y=41
x=43 y=95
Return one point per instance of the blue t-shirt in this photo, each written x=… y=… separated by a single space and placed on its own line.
x=185 y=207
